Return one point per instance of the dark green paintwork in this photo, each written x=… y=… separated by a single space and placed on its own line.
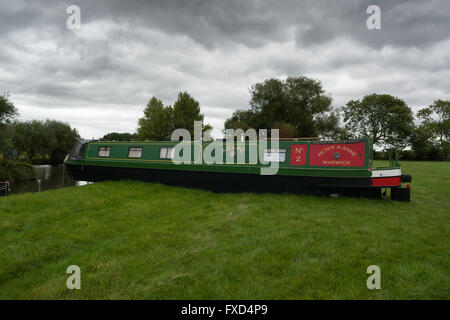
x=119 y=158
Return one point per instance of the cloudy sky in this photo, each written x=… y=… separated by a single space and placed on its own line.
x=100 y=77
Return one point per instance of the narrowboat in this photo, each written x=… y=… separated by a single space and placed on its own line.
x=309 y=167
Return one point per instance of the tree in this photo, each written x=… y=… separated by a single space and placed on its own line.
x=297 y=100
x=422 y=143
x=437 y=118
x=60 y=139
x=285 y=129
x=157 y=123
x=385 y=119
x=206 y=135
x=187 y=110
x=6 y=141
x=41 y=141
x=7 y=109
x=297 y=106
x=123 y=136
x=7 y=113
x=329 y=125
x=30 y=140
x=241 y=119
x=431 y=139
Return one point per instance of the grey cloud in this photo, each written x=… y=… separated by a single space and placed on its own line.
x=127 y=51
x=215 y=23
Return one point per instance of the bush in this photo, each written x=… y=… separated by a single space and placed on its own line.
x=407 y=155
x=379 y=155
x=437 y=153
x=16 y=171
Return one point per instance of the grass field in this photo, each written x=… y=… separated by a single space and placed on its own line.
x=138 y=240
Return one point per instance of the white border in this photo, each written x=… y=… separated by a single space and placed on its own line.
x=386 y=173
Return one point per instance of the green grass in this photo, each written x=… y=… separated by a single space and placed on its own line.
x=137 y=240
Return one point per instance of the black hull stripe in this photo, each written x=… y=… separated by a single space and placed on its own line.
x=228 y=182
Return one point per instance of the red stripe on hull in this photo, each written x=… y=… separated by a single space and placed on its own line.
x=386 y=182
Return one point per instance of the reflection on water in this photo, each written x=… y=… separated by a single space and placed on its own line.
x=51 y=177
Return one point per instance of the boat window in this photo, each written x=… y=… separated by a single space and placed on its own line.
x=170 y=153
x=135 y=152
x=104 y=152
x=274 y=155
x=166 y=153
x=162 y=153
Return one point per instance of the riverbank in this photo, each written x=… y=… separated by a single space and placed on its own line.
x=142 y=240
x=16 y=171
x=48 y=177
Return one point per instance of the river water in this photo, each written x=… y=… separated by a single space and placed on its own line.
x=49 y=177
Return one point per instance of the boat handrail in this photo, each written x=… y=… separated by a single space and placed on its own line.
x=393 y=158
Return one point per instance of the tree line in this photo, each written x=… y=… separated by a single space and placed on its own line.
x=300 y=107
x=159 y=120
x=296 y=106
x=33 y=141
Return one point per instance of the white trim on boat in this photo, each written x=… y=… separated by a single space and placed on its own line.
x=386 y=173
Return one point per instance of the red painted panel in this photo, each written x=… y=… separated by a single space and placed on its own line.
x=298 y=155
x=337 y=154
x=386 y=182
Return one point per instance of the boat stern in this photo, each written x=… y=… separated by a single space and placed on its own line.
x=392 y=178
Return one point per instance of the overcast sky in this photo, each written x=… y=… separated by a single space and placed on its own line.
x=100 y=77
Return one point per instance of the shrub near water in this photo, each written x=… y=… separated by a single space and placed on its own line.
x=16 y=171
